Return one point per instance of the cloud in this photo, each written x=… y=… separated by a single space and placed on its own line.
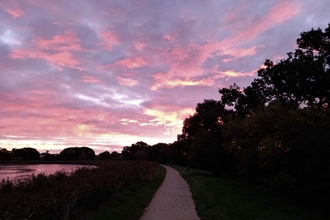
x=59 y=59
x=130 y=63
x=10 y=38
x=109 y=40
x=90 y=79
x=61 y=42
x=127 y=81
x=15 y=12
x=57 y=51
x=106 y=74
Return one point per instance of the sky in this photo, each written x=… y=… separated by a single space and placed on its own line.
x=106 y=74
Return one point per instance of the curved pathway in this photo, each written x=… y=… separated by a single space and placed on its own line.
x=172 y=200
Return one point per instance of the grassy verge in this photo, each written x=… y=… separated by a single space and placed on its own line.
x=217 y=198
x=131 y=202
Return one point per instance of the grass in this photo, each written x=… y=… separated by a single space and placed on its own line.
x=219 y=198
x=131 y=202
x=65 y=195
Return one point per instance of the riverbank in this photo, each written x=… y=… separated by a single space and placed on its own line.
x=69 y=196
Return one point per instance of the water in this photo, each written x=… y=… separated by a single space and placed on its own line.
x=13 y=171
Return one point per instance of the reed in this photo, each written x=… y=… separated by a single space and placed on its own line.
x=69 y=195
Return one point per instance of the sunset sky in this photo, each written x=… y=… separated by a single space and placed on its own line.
x=107 y=73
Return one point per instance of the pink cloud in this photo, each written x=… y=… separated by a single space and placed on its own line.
x=165 y=80
x=239 y=53
x=167 y=115
x=90 y=79
x=109 y=40
x=60 y=59
x=280 y=13
x=179 y=54
x=232 y=73
x=127 y=81
x=42 y=92
x=66 y=41
x=139 y=45
x=56 y=51
x=15 y=12
x=169 y=37
x=131 y=63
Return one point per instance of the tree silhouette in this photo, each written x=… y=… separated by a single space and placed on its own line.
x=26 y=153
x=299 y=80
x=76 y=153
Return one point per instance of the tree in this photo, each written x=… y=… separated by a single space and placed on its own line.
x=105 y=155
x=115 y=155
x=141 y=155
x=5 y=154
x=76 y=153
x=209 y=114
x=26 y=153
x=299 y=80
x=128 y=153
x=203 y=139
x=158 y=152
x=177 y=153
x=47 y=156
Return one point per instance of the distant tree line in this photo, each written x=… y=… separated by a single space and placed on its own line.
x=71 y=153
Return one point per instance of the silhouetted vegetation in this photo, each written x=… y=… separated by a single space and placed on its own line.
x=77 y=153
x=276 y=131
x=26 y=153
x=69 y=195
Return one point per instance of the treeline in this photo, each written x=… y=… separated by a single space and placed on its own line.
x=276 y=131
x=32 y=154
x=161 y=152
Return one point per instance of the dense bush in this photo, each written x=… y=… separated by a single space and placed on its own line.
x=69 y=195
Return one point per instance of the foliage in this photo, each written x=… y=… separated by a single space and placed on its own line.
x=105 y=155
x=48 y=157
x=159 y=152
x=128 y=153
x=5 y=154
x=299 y=80
x=76 y=153
x=208 y=116
x=69 y=195
x=26 y=153
x=177 y=153
x=141 y=155
x=203 y=138
x=131 y=202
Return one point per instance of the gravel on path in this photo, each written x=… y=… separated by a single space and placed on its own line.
x=172 y=200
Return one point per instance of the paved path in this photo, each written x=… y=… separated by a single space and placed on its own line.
x=172 y=200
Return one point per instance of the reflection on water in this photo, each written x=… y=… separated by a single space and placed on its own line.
x=13 y=171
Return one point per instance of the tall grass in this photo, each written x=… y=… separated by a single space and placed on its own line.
x=219 y=198
x=131 y=202
x=65 y=195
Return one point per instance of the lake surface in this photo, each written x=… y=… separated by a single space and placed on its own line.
x=21 y=170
